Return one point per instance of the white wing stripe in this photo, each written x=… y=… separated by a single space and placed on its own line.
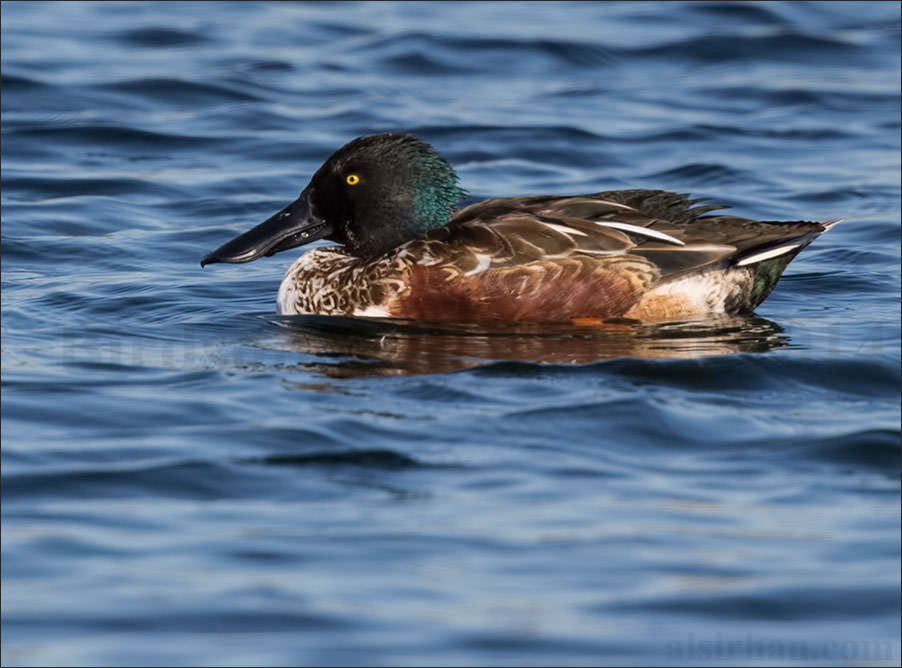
x=766 y=255
x=644 y=231
x=565 y=229
x=616 y=204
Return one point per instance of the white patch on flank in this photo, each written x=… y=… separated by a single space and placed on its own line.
x=484 y=263
x=701 y=293
x=566 y=230
x=644 y=231
x=766 y=255
x=696 y=289
x=371 y=311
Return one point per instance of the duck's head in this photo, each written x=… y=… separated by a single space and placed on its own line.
x=372 y=195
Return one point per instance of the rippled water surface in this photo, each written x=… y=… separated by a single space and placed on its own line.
x=189 y=478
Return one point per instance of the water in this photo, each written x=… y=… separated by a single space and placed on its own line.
x=190 y=479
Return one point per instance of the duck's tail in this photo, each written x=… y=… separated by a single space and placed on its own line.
x=791 y=246
x=768 y=261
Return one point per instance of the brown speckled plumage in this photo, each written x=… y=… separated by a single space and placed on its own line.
x=545 y=259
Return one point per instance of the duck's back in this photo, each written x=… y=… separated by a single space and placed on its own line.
x=650 y=255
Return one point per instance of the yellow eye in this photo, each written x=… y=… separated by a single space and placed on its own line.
x=352 y=179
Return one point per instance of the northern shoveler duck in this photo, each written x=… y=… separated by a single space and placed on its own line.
x=406 y=252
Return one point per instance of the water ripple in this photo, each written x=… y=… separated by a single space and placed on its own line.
x=179 y=92
x=189 y=478
x=160 y=37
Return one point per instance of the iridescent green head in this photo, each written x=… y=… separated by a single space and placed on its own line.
x=372 y=195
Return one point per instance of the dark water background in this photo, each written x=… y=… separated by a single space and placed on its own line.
x=189 y=479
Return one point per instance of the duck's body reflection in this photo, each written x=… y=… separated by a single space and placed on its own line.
x=366 y=347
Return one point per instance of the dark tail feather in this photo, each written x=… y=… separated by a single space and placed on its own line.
x=768 y=261
x=774 y=249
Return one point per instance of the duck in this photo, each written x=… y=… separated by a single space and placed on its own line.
x=408 y=252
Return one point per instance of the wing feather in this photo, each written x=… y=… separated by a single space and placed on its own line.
x=670 y=231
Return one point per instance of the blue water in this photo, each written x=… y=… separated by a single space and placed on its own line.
x=190 y=479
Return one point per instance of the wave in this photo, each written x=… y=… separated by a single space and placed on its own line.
x=115 y=135
x=160 y=37
x=179 y=91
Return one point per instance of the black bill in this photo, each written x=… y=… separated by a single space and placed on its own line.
x=293 y=226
